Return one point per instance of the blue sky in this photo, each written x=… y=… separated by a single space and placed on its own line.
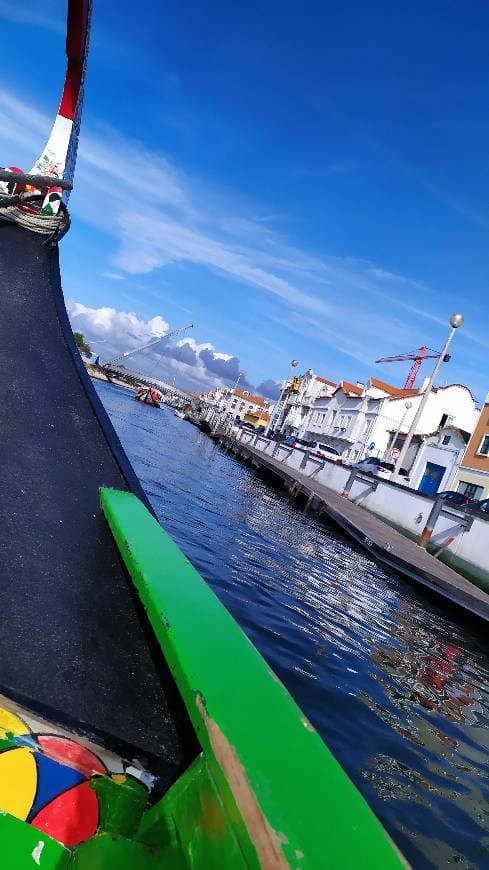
x=304 y=180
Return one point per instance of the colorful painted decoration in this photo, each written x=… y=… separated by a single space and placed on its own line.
x=47 y=780
x=71 y=817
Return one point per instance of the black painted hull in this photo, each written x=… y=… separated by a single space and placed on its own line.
x=73 y=641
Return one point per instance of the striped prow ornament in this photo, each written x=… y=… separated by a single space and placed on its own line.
x=38 y=205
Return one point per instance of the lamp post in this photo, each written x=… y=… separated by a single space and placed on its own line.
x=392 y=444
x=456 y=320
x=293 y=364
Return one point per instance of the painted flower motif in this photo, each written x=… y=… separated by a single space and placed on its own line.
x=48 y=166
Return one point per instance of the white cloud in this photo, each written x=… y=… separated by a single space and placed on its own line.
x=195 y=365
x=162 y=241
x=117 y=330
x=157 y=215
x=114 y=276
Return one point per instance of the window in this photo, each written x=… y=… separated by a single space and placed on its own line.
x=484 y=446
x=471 y=490
x=344 y=422
x=445 y=439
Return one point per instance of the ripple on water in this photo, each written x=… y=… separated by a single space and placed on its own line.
x=397 y=686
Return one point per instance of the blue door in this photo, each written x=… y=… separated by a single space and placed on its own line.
x=431 y=479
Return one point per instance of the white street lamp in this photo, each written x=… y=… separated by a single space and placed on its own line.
x=456 y=320
x=389 y=448
x=293 y=364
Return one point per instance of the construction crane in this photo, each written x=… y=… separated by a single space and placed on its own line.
x=417 y=356
x=115 y=360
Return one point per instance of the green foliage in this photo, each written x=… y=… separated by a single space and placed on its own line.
x=81 y=344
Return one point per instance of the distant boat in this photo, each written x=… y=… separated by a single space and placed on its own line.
x=148 y=396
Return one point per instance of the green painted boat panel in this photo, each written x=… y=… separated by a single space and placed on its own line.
x=105 y=852
x=191 y=824
x=288 y=800
x=122 y=801
x=25 y=848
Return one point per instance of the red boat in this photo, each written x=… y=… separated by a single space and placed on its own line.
x=149 y=396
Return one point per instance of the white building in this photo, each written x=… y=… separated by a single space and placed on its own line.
x=297 y=398
x=237 y=402
x=361 y=420
x=436 y=459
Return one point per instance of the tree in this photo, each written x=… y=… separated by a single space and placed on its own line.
x=81 y=344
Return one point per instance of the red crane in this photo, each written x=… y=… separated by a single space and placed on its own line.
x=417 y=356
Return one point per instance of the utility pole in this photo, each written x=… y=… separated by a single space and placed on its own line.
x=456 y=320
x=392 y=444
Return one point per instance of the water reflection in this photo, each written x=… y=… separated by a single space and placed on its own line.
x=397 y=686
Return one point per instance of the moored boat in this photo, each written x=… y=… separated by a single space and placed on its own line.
x=139 y=727
x=148 y=396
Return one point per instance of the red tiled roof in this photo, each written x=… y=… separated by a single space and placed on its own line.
x=257 y=400
x=350 y=388
x=404 y=394
x=325 y=381
x=393 y=391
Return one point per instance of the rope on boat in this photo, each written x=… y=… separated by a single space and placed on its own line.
x=54 y=226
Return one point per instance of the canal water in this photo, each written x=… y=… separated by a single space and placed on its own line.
x=397 y=685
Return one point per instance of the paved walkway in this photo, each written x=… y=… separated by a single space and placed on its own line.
x=384 y=543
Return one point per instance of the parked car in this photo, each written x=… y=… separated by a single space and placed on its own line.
x=479 y=507
x=378 y=467
x=456 y=498
x=293 y=441
x=323 y=450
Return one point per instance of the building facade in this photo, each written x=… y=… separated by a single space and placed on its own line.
x=241 y=402
x=472 y=477
x=436 y=460
x=297 y=397
x=362 y=420
x=259 y=419
x=237 y=402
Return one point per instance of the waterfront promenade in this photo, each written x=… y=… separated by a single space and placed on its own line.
x=384 y=543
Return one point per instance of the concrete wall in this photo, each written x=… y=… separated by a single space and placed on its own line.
x=403 y=508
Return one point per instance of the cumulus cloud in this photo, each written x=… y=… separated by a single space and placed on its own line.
x=194 y=365
x=118 y=331
x=269 y=388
